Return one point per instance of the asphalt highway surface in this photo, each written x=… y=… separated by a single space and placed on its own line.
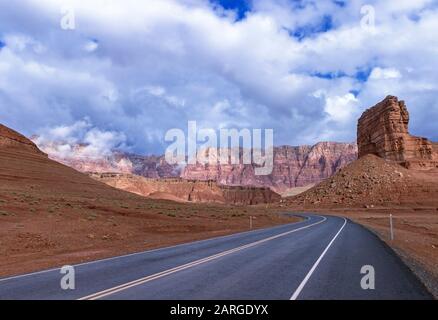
x=321 y=257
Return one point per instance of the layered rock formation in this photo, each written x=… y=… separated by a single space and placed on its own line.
x=383 y=131
x=293 y=167
x=187 y=191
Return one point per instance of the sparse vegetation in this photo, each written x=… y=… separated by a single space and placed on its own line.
x=235 y=215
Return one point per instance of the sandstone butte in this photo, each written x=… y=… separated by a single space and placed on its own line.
x=383 y=131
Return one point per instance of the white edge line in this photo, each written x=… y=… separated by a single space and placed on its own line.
x=309 y=274
x=125 y=286
x=151 y=250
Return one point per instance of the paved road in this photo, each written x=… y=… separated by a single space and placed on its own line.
x=318 y=258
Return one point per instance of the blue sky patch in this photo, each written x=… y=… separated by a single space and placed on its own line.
x=325 y=24
x=362 y=75
x=355 y=92
x=414 y=17
x=2 y=44
x=340 y=3
x=328 y=75
x=241 y=7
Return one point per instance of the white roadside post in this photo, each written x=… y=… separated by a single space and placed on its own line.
x=391 y=227
x=251 y=219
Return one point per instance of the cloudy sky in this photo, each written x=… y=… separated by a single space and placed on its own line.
x=127 y=71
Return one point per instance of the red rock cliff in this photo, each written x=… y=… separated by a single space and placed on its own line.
x=293 y=167
x=383 y=131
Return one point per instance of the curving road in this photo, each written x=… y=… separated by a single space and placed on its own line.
x=318 y=258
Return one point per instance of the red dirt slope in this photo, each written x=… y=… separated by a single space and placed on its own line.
x=373 y=181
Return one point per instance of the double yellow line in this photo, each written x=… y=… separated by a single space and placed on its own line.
x=165 y=273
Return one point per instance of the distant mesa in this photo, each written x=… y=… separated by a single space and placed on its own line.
x=383 y=131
